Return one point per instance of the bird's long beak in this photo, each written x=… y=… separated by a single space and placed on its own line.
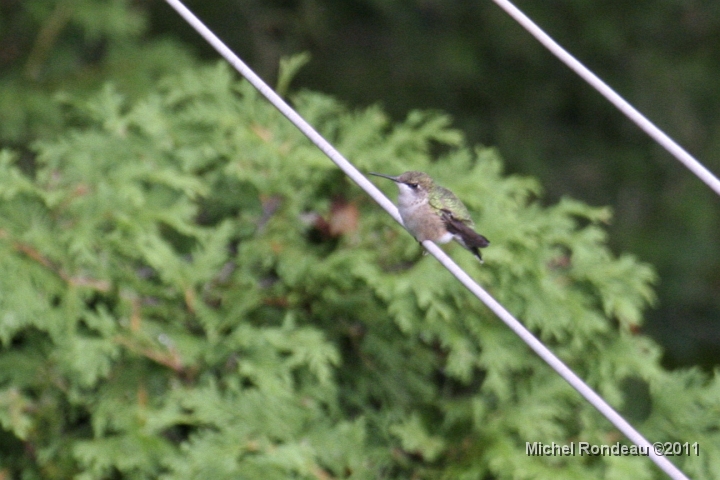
x=389 y=177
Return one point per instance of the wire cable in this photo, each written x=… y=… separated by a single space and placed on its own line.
x=633 y=114
x=542 y=351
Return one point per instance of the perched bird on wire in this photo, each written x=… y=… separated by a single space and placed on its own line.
x=432 y=212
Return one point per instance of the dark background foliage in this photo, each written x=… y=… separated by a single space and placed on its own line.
x=504 y=89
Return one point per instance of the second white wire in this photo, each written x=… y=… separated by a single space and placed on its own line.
x=631 y=112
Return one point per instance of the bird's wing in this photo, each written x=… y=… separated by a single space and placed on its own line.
x=450 y=203
x=468 y=237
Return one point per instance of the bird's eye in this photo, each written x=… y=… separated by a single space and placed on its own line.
x=413 y=185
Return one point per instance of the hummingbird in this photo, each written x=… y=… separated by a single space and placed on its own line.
x=432 y=212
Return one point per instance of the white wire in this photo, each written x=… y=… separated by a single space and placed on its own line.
x=658 y=135
x=542 y=351
x=285 y=109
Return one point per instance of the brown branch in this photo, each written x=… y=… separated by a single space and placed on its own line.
x=75 y=281
x=45 y=40
x=170 y=359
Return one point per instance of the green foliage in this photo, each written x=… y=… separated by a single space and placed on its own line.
x=191 y=290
